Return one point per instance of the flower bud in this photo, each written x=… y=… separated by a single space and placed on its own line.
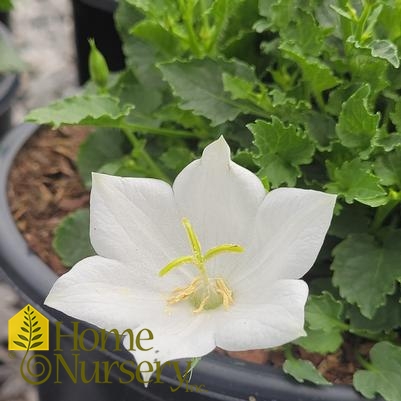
x=98 y=69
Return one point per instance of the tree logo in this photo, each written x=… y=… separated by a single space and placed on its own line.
x=28 y=330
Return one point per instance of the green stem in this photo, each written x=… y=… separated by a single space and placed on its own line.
x=205 y=17
x=218 y=27
x=390 y=337
x=288 y=352
x=319 y=100
x=382 y=212
x=160 y=131
x=187 y=8
x=362 y=20
x=154 y=169
x=363 y=362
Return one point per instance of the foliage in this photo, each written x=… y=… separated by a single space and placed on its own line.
x=308 y=94
x=6 y=5
x=9 y=59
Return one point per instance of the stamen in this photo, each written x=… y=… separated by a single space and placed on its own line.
x=203 y=292
x=225 y=292
x=182 y=293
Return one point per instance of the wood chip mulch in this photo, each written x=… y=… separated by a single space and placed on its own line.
x=44 y=186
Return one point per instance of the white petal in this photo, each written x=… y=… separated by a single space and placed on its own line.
x=105 y=293
x=290 y=228
x=263 y=317
x=219 y=197
x=135 y=219
x=178 y=333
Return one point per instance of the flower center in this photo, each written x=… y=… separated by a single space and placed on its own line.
x=204 y=292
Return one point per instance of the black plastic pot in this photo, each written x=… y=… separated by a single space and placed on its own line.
x=94 y=19
x=5 y=18
x=223 y=378
x=8 y=90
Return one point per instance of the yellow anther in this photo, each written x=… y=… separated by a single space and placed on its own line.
x=182 y=293
x=225 y=292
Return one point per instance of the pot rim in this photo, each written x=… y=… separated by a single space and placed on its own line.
x=8 y=81
x=225 y=378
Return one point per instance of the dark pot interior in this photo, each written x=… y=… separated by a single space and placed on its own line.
x=5 y=18
x=224 y=378
x=94 y=19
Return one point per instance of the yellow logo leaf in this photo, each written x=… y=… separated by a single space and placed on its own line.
x=28 y=330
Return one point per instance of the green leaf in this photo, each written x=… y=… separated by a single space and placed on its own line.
x=365 y=68
x=316 y=74
x=352 y=220
x=23 y=337
x=305 y=34
x=160 y=39
x=386 y=318
x=97 y=110
x=386 y=50
x=245 y=158
x=321 y=127
x=323 y=312
x=341 y=12
x=100 y=147
x=254 y=92
x=384 y=375
x=176 y=158
x=366 y=270
x=282 y=149
x=71 y=241
x=354 y=181
x=388 y=142
x=199 y=84
x=320 y=341
x=124 y=167
x=141 y=57
x=238 y=87
x=278 y=13
x=388 y=168
x=302 y=370
x=9 y=60
x=6 y=5
x=146 y=100
x=356 y=125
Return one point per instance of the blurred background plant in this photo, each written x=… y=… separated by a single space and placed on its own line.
x=9 y=59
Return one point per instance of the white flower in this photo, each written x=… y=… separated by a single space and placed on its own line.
x=212 y=261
